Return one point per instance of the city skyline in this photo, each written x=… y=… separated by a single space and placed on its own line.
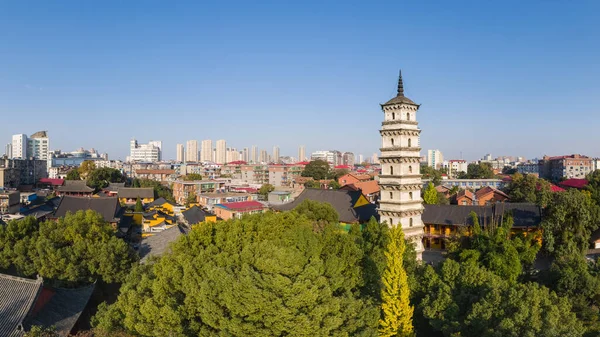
x=485 y=68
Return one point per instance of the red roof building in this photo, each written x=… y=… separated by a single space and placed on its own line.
x=574 y=183
x=235 y=210
x=52 y=182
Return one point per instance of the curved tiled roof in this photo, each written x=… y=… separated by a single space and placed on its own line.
x=132 y=193
x=400 y=100
x=17 y=297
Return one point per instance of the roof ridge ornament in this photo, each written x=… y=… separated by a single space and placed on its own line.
x=400 y=84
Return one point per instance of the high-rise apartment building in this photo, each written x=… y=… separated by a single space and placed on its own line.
x=348 y=159
x=245 y=155
x=435 y=159
x=400 y=179
x=8 y=150
x=221 y=152
x=180 y=153
x=254 y=154
x=276 y=154
x=191 y=154
x=151 y=152
x=264 y=157
x=207 y=150
x=19 y=146
x=38 y=146
x=301 y=153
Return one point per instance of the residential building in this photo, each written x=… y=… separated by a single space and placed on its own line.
x=361 y=159
x=38 y=146
x=254 y=155
x=400 y=180
x=264 y=158
x=8 y=150
x=180 y=153
x=207 y=150
x=570 y=166
x=489 y=195
x=161 y=175
x=150 y=152
x=19 y=146
x=283 y=175
x=369 y=188
x=10 y=202
x=473 y=184
x=348 y=159
x=279 y=197
x=255 y=174
x=442 y=222
x=191 y=154
x=435 y=159
x=17 y=172
x=236 y=210
x=209 y=200
x=301 y=153
x=245 y=155
x=578 y=183
x=182 y=188
x=221 y=152
x=352 y=178
x=455 y=166
x=276 y=154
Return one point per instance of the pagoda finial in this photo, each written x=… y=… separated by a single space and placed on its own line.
x=400 y=85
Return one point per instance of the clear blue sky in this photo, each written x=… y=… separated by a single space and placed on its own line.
x=506 y=77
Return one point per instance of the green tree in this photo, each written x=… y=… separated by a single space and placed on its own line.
x=337 y=173
x=192 y=177
x=266 y=189
x=101 y=177
x=334 y=185
x=317 y=169
x=430 y=197
x=432 y=174
x=529 y=188
x=73 y=175
x=312 y=184
x=138 y=205
x=78 y=248
x=160 y=190
x=191 y=199
x=441 y=199
x=396 y=309
x=263 y=275
x=479 y=171
x=318 y=211
x=135 y=183
x=568 y=223
x=593 y=185
x=86 y=168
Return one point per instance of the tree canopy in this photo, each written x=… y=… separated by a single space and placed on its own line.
x=192 y=177
x=529 y=188
x=317 y=169
x=101 y=177
x=160 y=190
x=478 y=171
x=265 y=189
x=73 y=175
x=78 y=248
x=264 y=275
x=428 y=172
x=430 y=196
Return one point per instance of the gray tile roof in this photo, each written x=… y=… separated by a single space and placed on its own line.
x=194 y=215
x=109 y=208
x=341 y=200
x=17 y=297
x=133 y=193
x=524 y=214
x=158 y=243
x=160 y=201
x=75 y=186
x=63 y=309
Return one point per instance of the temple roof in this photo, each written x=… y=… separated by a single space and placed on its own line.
x=400 y=98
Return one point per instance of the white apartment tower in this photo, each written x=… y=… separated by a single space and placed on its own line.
x=435 y=159
x=207 y=150
x=19 y=146
x=400 y=179
x=301 y=153
x=254 y=154
x=180 y=153
x=191 y=154
x=221 y=152
x=151 y=152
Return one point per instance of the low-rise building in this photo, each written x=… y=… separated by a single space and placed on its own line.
x=369 y=188
x=195 y=215
x=161 y=175
x=10 y=202
x=17 y=172
x=236 y=210
x=352 y=178
x=470 y=183
x=279 y=197
x=570 y=166
x=157 y=221
x=128 y=195
x=183 y=188
x=209 y=200
x=109 y=208
x=489 y=195
x=77 y=188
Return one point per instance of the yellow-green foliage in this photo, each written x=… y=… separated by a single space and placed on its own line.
x=396 y=310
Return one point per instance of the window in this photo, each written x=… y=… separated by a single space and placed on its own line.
x=393 y=115
x=392 y=140
x=391 y=195
x=410 y=195
x=409 y=142
x=391 y=170
x=391 y=221
x=410 y=222
x=410 y=169
x=408 y=116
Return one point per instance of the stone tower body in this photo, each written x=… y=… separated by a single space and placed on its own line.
x=400 y=180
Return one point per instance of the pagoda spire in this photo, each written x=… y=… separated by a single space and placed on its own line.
x=400 y=85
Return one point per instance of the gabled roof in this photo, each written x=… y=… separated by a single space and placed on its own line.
x=109 y=208
x=486 y=190
x=194 y=215
x=62 y=310
x=161 y=201
x=75 y=186
x=114 y=187
x=367 y=187
x=465 y=194
x=17 y=298
x=342 y=200
x=158 y=243
x=442 y=188
x=574 y=183
x=133 y=193
x=51 y=181
x=524 y=214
